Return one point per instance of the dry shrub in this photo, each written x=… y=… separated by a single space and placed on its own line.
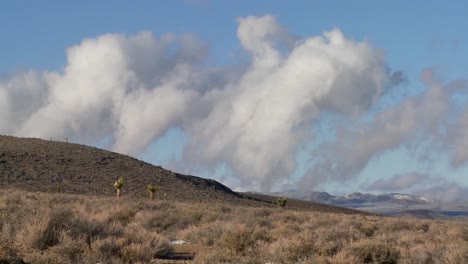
x=237 y=240
x=158 y=245
x=89 y=229
x=293 y=217
x=369 y=251
x=422 y=253
x=393 y=225
x=159 y=222
x=457 y=254
x=462 y=232
x=135 y=246
x=44 y=233
x=48 y=258
x=106 y=248
x=134 y=253
x=337 y=234
x=7 y=250
x=263 y=213
x=38 y=235
x=169 y=222
x=267 y=224
x=291 y=250
x=204 y=235
x=69 y=248
x=123 y=215
x=219 y=242
x=367 y=228
x=225 y=209
x=322 y=220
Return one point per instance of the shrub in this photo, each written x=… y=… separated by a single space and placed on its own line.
x=152 y=189
x=369 y=251
x=45 y=232
x=106 y=248
x=237 y=239
x=136 y=253
x=122 y=215
x=62 y=228
x=118 y=186
x=281 y=202
x=69 y=248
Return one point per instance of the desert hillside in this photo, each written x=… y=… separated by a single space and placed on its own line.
x=52 y=166
x=42 y=165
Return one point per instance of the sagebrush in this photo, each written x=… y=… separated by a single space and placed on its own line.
x=64 y=228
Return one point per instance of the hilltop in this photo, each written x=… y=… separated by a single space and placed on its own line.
x=42 y=165
x=53 y=166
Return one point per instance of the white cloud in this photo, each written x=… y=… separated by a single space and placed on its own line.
x=399 y=182
x=416 y=119
x=447 y=192
x=147 y=114
x=20 y=96
x=252 y=118
x=456 y=141
x=257 y=122
x=133 y=87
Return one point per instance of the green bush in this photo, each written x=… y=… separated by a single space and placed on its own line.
x=281 y=202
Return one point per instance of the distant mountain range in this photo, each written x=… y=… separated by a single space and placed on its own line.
x=398 y=204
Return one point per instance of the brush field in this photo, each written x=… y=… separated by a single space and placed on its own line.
x=38 y=227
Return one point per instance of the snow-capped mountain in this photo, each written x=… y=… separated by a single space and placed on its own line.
x=356 y=198
x=386 y=203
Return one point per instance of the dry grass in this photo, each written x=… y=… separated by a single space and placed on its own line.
x=61 y=228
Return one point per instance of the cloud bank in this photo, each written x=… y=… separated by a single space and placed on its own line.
x=252 y=117
x=399 y=182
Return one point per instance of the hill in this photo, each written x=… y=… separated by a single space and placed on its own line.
x=52 y=166
x=42 y=165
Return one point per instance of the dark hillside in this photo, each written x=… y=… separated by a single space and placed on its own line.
x=42 y=165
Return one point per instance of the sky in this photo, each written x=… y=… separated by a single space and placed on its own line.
x=337 y=96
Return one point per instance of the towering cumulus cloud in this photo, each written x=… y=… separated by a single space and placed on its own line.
x=257 y=122
x=131 y=88
x=253 y=118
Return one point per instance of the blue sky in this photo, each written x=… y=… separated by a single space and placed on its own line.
x=413 y=36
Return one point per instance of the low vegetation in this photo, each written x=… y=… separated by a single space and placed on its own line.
x=66 y=228
x=118 y=186
x=281 y=201
x=151 y=190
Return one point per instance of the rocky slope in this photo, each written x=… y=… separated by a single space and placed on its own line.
x=42 y=165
